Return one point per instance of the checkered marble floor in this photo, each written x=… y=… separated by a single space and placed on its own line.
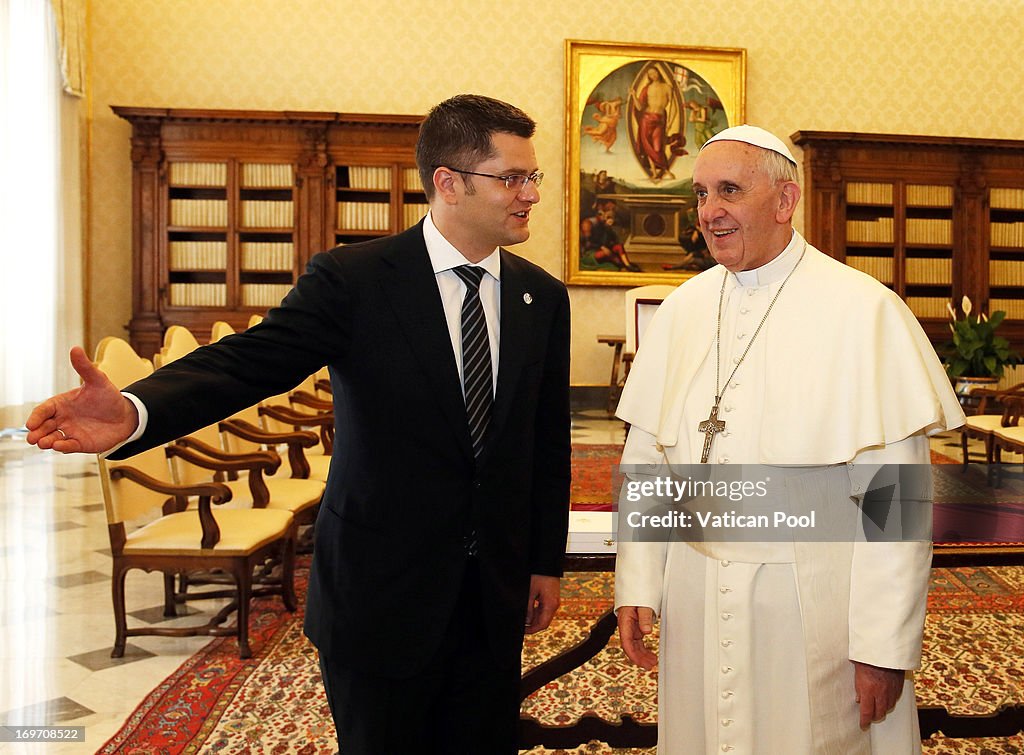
x=56 y=623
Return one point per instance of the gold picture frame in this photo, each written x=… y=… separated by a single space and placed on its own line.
x=636 y=114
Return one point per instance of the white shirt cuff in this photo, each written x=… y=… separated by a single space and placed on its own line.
x=143 y=413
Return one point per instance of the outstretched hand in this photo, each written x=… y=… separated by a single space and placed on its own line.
x=92 y=418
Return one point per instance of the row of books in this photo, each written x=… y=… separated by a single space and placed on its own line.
x=411 y=179
x=268 y=255
x=1006 y=273
x=919 y=271
x=923 y=195
x=865 y=193
x=877 y=267
x=198 y=294
x=364 y=216
x=929 y=231
x=197 y=174
x=199 y=212
x=258 y=213
x=264 y=294
x=411 y=213
x=879 y=230
x=1014 y=308
x=367 y=177
x=929 y=271
x=1006 y=199
x=1007 y=234
x=928 y=306
x=198 y=255
x=268 y=175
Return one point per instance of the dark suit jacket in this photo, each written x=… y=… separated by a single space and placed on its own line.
x=404 y=488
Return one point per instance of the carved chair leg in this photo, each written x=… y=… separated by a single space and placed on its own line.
x=169 y=610
x=288 y=573
x=120 y=620
x=243 y=579
x=963 y=447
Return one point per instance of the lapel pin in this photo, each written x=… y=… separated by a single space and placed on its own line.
x=528 y=298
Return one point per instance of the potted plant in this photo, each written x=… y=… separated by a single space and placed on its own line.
x=976 y=356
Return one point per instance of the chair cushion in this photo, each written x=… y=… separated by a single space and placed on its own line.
x=286 y=494
x=985 y=423
x=241 y=533
x=1014 y=434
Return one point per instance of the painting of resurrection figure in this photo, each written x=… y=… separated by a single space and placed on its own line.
x=640 y=130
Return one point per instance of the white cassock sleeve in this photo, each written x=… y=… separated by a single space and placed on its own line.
x=889 y=580
x=639 y=567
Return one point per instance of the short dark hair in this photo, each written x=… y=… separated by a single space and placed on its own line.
x=457 y=133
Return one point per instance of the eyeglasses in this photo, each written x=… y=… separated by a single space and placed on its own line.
x=516 y=181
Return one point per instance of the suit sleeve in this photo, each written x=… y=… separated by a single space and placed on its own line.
x=308 y=329
x=552 y=452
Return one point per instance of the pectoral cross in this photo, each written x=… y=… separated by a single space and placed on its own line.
x=710 y=427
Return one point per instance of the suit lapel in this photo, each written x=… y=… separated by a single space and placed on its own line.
x=407 y=282
x=516 y=325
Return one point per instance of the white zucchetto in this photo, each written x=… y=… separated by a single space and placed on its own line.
x=753 y=135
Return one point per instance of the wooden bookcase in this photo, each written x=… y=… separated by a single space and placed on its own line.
x=229 y=205
x=932 y=217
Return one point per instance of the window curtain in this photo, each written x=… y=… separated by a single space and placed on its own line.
x=40 y=280
x=69 y=17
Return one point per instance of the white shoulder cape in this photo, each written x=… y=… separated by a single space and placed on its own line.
x=848 y=367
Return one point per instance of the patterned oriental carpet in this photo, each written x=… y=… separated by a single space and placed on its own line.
x=274 y=702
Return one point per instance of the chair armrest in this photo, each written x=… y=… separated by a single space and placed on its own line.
x=298 y=419
x=296 y=441
x=304 y=398
x=249 y=431
x=208 y=492
x=228 y=457
x=256 y=464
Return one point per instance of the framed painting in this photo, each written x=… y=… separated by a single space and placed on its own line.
x=636 y=115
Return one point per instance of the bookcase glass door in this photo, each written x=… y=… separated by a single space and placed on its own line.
x=1006 y=251
x=266 y=234
x=197 y=234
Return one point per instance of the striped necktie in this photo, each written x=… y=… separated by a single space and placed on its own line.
x=476 y=357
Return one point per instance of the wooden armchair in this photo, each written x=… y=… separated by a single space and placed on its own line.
x=297 y=495
x=1008 y=437
x=177 y=540
x=274 y=422
x=984 y=423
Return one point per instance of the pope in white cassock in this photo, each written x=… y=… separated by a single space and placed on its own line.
x=782 y=647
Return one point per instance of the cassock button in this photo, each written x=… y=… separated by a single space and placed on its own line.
x=726 y=643
x=751 y=291
x=528 y=298
x=727 y=694
x=726 y=616
x=725 y=590
x=726 y=721
x=726 y=563
x=723 y=460
x=726 y=669
x=740 y=336
x=744 y=311
x=727 y=748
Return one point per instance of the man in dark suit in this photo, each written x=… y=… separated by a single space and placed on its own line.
x=442 y=530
